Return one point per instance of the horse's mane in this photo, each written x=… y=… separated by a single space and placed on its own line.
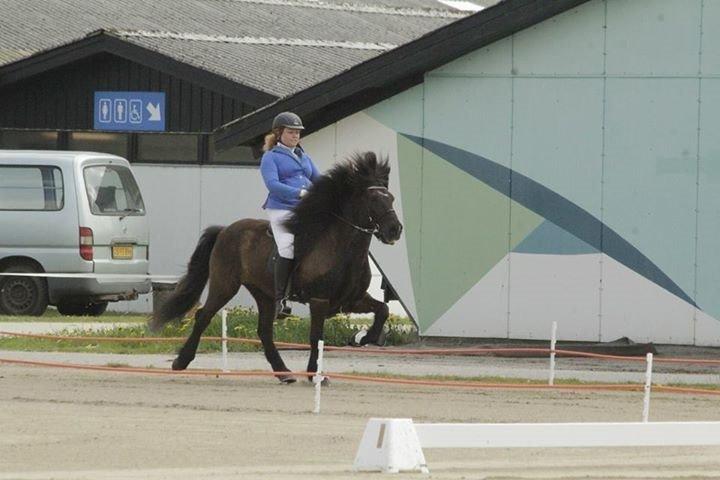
x=330 y=193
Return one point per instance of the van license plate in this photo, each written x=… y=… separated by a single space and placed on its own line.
x=122 y=252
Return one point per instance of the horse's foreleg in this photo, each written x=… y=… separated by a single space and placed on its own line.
x=266 y=317
x=381 y=312
x=319 y=311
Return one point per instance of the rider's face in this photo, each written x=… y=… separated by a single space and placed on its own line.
x=290 y=137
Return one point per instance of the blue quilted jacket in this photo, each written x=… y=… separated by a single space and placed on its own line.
x=285 y=175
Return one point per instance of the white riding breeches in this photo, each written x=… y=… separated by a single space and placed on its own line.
x=283 y=238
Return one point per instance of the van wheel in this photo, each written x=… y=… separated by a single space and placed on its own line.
x=76 y=308
x=23 y=295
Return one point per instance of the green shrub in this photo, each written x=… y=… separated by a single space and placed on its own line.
x=242 y=323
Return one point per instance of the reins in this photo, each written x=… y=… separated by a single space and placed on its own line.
x=369 y=231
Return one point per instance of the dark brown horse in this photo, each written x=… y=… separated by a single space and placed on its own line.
x=333 y=226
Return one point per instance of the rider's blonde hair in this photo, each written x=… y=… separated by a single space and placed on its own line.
x=272 y=138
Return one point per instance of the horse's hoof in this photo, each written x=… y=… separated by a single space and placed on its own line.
x=360 y=339
x=325 y=381
x=357 y=339
x=286 y=379
x=180 y=364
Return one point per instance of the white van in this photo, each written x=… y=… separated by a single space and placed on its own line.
x=69 y=212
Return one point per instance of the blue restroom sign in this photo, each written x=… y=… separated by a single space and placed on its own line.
x=129 y=111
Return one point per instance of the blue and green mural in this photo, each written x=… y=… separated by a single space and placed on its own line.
x=512 y=155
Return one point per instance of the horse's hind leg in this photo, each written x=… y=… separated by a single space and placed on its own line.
x=266 y=318
x=381 y=312
x=219 y=293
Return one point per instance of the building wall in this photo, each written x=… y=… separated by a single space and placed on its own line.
x=568 y=173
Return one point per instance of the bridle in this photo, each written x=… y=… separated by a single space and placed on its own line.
x=376 y=229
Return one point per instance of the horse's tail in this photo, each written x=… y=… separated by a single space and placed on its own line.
x=188 y=290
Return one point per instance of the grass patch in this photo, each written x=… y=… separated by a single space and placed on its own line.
x=242 y=323
x=52 y=315
x=117 y=365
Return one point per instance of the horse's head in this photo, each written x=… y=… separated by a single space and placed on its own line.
x=353 y=192
x=374 y=198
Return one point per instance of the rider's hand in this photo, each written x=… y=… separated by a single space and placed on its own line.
x=303 y=192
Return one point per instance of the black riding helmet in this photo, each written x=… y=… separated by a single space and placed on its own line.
x=287 y=120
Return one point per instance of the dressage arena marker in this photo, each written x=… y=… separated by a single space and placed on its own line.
x=392 y=445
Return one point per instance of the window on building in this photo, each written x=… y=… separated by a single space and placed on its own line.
x=167 y=148
x=28 y=140
x=113 y=143
x=31 y=188
x=238 y=155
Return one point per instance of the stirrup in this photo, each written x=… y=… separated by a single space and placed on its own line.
x=284 y=311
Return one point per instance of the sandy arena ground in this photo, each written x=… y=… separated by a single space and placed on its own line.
x=63 y=424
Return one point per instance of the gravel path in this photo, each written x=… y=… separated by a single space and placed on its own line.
x=63 y=425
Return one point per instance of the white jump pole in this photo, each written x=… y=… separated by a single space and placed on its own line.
x=553 y=339
x=648 y=387
x=551 y=435
x=318 y=378
x=393 y=445
x=223 y=315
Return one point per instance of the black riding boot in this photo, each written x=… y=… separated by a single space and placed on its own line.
x=283 y=267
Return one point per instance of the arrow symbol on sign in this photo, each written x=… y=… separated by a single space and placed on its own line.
x=154 y=112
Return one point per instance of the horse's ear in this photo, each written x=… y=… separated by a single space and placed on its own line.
x=383 y=171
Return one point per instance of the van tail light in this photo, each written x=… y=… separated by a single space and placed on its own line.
x=86 y=243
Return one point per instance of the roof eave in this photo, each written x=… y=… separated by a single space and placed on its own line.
x=105 y=42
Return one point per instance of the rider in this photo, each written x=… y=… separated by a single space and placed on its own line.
x=288 y=173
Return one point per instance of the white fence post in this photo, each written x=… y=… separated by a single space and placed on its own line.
x=223 y=315
x=318 y=378
x=648 y=387
x=553 y=338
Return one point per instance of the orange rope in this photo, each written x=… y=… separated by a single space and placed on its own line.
x=438 y=351
x=145 y=339
x=371 y=350
x=664 y=388
x=510 y=386
x=365 y=378
x=637 y=359
x=156 y=371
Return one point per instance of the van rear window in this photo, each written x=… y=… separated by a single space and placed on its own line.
x=31 y=187
x=112 y=190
